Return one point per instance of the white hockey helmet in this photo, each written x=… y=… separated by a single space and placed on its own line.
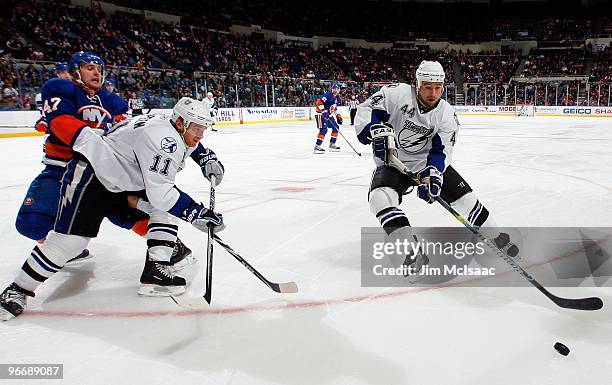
x=209 y=94
x=430 y=71
x=192 y=111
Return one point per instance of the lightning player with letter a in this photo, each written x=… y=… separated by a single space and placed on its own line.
x=326 y=116
x=425 y=128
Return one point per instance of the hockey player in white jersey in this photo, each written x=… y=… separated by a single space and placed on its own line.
x=138 y=157
x=424 y=127
x=209 y=103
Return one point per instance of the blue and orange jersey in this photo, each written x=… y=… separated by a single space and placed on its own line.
x=328 y=103
x=68 y=108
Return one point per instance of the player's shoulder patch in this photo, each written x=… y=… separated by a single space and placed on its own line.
x=169 y=145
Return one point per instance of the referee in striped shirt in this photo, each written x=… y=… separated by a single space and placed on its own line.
x=353 y=108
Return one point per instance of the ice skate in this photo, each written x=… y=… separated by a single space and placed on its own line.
x=318 y=149
x=13 y=301
x=181 y=256
x=159 y=279
x=85 y=255
x=333 y=147
x=413 y=266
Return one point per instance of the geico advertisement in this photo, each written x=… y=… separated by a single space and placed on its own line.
x=601 y=111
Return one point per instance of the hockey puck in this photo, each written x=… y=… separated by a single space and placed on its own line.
x=562 y=349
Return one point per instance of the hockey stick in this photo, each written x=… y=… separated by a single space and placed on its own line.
x=209 y=248
x=284 y=287
x=188 y=302
x=349 y=143
x=591 y=303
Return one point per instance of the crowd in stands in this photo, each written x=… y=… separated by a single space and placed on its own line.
x=365 y=64
x=488 y=67
x=569 y=28
x=161 y=62
x=551 y=63
x=395 y=20
x=599 y=94
x=20 y=84
x=602 y=66
x=16 y=46
x=61 y=31
x=566 y=93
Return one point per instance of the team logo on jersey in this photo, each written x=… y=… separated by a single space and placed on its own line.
x=94 y=113
x=413 y=138
x=169 y=145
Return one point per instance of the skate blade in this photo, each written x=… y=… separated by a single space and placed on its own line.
x=74 y=261
x=192 y=303
x=334 y=150
x=149 y=290
x=414 y=278
x=5 y=315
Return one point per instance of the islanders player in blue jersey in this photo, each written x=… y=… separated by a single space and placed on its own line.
x=68 y=103
x=327 y=117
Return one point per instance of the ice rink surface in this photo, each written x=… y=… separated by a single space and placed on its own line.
x=297 y=216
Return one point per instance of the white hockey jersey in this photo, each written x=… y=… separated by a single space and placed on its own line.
x=142 y=153
x=422 y=138
x=210 y=104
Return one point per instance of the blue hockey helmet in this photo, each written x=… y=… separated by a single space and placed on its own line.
x=336 y=85
x=61 y=66
x=109 y=82
x=84 y=57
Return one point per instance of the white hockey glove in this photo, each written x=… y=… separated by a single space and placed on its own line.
x=201 y=218
x=381 y=134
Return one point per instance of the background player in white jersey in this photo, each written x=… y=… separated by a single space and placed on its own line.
x=141 y=155
x=425 y=128
x=209 y=102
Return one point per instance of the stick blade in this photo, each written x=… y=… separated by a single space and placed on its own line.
x=191 y=303
x=286 y=287
x=207 y=296
x=591 y=303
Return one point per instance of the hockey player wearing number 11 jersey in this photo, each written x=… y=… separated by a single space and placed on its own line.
x=424 y=128
x=136 y=158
